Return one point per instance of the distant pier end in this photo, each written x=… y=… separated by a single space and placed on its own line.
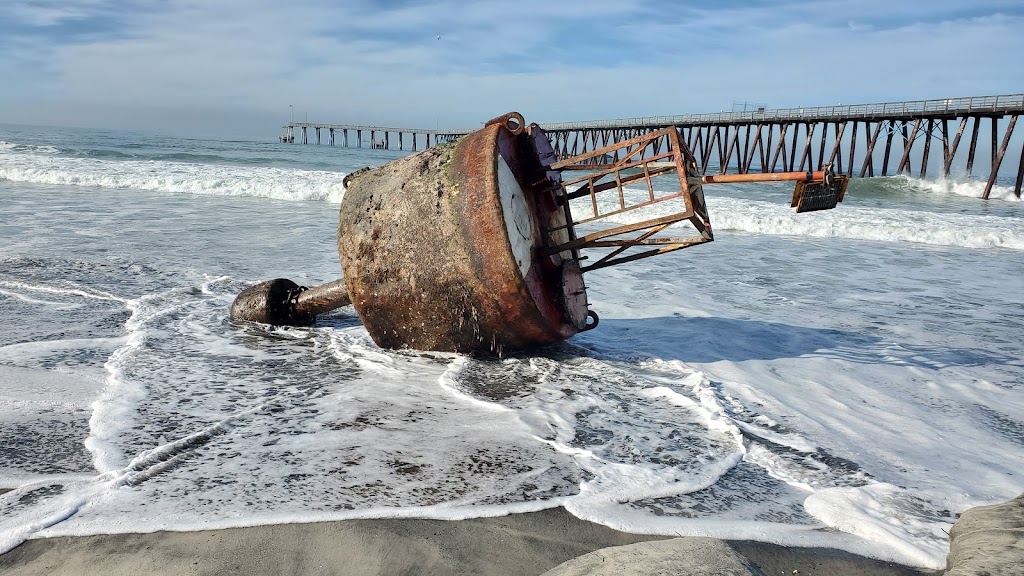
x=857 y=140
x=377 y=137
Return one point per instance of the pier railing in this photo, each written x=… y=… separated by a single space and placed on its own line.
x=951 y=107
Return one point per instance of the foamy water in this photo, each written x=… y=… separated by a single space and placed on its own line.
x=847 y=378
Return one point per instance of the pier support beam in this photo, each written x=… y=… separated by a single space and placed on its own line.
x=1020 y=174
x=997 y=157
x=974 y=146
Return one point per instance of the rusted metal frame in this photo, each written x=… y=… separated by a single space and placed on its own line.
x=869 y=160
x=642 y=240
x=948 y=158
x=974 y=145
x=780 y=149
x=853 y=148
x=623 y=164
x=997 y=159
x=624 y=245
x=765 y=177
x=618 y=185
x=595 y=177
x=678 y=245
x=888 y=148
x=807 y=145
x=835 y=156
x=683 y=164
x=647 y=180
x=593 y=195
x=927 y=147
x=601 y=151
x=908 y=144
x=584 y=241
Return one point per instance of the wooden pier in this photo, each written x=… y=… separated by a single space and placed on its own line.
x=857 y=140
x=352 y=136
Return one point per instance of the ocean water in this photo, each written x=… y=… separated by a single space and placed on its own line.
x=850 y=378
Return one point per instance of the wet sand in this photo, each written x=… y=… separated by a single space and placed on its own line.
x=526 y=544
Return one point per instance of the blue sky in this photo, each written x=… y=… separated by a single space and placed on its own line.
x=233 y=67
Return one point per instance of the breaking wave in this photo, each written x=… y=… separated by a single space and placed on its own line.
x=31 y=166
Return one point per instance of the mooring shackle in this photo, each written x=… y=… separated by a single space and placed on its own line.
x=292 y=299
x=513 y=122
x=829 y=177
x=281 y=302
x=589 y=326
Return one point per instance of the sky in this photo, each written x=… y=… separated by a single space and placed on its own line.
x=243 y=67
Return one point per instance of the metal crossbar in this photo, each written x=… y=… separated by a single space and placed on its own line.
x=635 y=165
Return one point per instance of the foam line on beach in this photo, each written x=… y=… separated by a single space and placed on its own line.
x=68 y=290
x=20 y=522
x=868 y=511
x=122 y=394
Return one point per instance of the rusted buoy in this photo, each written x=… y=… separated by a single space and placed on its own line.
x=442 y=250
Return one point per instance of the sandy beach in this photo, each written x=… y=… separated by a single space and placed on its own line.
x=516 y=544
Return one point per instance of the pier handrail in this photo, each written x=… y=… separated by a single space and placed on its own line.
x=999 y=104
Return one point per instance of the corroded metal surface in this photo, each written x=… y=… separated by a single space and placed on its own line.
x=270 y=302
x=323 y=298
x=439 y=250
x=281 y=302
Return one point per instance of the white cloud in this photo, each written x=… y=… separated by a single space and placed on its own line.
x=578 y=59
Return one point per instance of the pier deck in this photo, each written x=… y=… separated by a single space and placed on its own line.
x=856 y=139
